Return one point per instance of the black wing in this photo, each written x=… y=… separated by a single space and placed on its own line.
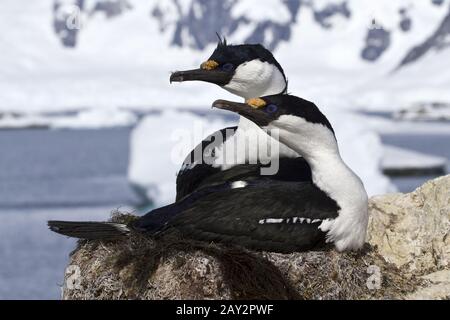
x=195 y=168
x=265 y=215
x=290 y=169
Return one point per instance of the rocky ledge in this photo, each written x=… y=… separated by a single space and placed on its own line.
x=407 y=257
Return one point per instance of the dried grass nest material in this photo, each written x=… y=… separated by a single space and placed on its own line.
x=171 y=267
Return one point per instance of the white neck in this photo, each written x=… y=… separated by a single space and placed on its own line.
x=317 y=144
x=253 y=79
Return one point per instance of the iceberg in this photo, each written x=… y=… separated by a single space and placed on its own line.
x=158 y=147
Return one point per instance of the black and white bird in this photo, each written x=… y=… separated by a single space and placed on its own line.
x=249 y=71
x=266 y=214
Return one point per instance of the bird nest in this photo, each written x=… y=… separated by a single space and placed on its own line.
x=170 y=267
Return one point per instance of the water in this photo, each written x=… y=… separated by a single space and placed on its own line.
x=64 y=168
x=81 y=174
x=33 y=259
x=432 y=144
x=54 y=174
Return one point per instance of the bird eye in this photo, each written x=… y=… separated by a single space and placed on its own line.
x=271 y=108
x=228 y=67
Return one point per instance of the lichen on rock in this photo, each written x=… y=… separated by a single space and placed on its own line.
x=413 y=230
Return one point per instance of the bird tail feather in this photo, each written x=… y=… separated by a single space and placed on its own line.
x=89 y=230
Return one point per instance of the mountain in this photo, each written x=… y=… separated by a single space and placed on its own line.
x=439 y=40
x=69 y=54
x=269 y=23
x=67 y=16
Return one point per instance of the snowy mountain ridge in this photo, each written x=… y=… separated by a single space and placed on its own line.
x=271 y=22
x=339 y=53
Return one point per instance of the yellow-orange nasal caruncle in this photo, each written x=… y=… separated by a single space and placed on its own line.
x=209 y=65
x=256 y=103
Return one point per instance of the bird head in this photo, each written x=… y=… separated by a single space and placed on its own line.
x=247 y=70
x=298 y=123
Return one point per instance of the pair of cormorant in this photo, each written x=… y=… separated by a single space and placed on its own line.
x=313 y=199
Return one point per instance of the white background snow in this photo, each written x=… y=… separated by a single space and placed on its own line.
x=117 y=61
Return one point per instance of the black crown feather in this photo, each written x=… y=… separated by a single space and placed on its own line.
x=222 y=41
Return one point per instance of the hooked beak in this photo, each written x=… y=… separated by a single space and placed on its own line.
x=218 y=77
x=256 y=115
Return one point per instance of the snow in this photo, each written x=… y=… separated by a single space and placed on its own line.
x=422 y=82
x=384 y=125
x=425 y=112
x=155 y=159
x=274 y=10
x=400 y=158
x=117 y=61
x=96 y=119
x=84 y=119
x=325 y=65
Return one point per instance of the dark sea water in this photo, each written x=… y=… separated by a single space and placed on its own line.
x=432 y=144
x=81 y=174
x=64 y=168
x=54 y=174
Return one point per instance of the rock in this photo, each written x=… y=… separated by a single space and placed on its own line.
x=406 y=258
x=438 y=287
x=412 y=230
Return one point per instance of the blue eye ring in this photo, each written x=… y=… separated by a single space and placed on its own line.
x=227 y=67
x=271 y=108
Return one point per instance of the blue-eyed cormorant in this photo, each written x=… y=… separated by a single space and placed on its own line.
x=266 y=214
x=249 y=71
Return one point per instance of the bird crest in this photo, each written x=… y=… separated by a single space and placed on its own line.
x=222 y=41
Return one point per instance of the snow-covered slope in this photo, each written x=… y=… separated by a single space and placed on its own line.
x=424 y=81
x=339 y=52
